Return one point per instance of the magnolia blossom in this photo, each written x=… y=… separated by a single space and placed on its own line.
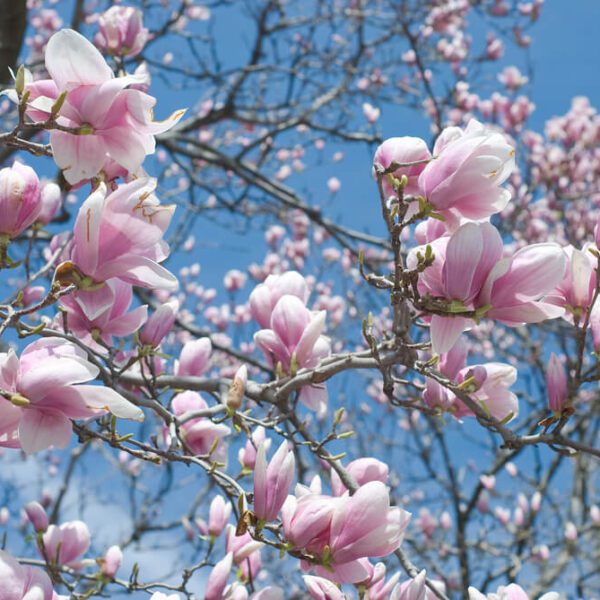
x=344 y=531
x=265 y=296
x=245 y=550
x=294 y=341
x=194 y=358
x=468 y=169
x=402 y=150
x=112 y=122
x=21 y=582
x=362 y=470
x=272 y=482
x=112 y=561
x=488 y=384
x=122 y=32
x=379 y=588
x=576 y=290
x=51 y=201
x=42 y=393
x=218 y=515
x=469 y=273
x=201 y=434
x=113 y=320
x=20 y=200
x=119 y=235
x=217 y=580
x=65 y=544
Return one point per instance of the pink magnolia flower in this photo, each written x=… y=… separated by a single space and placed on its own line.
x=111 y=562
x=379 y=588
x=556 y=384
x=362 y=470
x=320 y=588
x=344 y=531
x=294 y=341
x=272 y=482
x=194 y=358
x=20 y=582
x=20 y=201
x=245 y=550
x=120 y=235
x=64 y=545
x=218 y=515
x=200 y=433
x=113 y=320
x=247 y=454
x=44 y=392
x=217 y=580
x=465 y=176
x=122 y=32
x=576 y=290
x=413 y=589
x=487 y=384
x=470 y=274
x=112 y=122
x=159 y=324
x=402 y=150
x=265 y=296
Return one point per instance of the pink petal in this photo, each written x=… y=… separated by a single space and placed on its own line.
x=39 y=430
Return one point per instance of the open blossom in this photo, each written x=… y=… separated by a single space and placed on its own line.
x=122 y=32
x=20 y=200
x=113 y=320
x=265 y=296
x=576 y=290
x=21 y=582
x=200 y=433
x=245 y=550
x=65 y=544
x=119 y=235
x=113 y=122
x=272 y=481
x=344 y=531
x=194 y=358
x=44 y=392
x=465 y=176
x=402 y=150
x=294 y=341
x=470 y=273
x=488 y=384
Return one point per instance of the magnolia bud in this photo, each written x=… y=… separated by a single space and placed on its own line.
x=37 y=516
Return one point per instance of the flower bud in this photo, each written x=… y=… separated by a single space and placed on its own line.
x=235 y=395
x=19 y=199
x=159 y=324
x=122 y=32
x=37 y=516
x=556 y=383
x=112 y=561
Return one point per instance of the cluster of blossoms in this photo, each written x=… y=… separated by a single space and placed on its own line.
x=101 y=129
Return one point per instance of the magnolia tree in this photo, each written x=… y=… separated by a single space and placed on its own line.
x=387 y=399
